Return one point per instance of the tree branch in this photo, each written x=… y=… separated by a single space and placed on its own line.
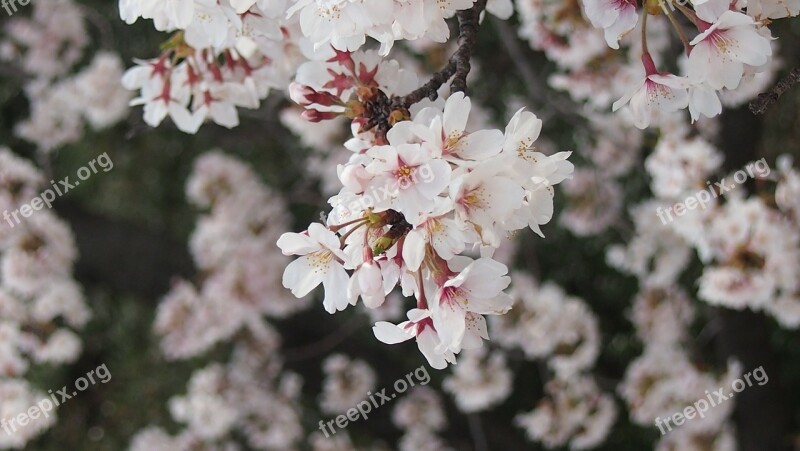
x=458 y=66
x=767 y=99
x=468 y=24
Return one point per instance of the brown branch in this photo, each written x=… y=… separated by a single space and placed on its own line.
x=765 y=100
x=468 y=24
x=430 y=89
x=458 y=66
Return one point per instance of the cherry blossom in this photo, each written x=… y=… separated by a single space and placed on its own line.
x=659 y=92
x=616 y=17
x=321 y=262
x=720 y=52
x=419 y=326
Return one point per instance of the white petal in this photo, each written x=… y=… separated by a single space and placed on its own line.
x=300 y=277
x=428 y=342
x=414 y=249
x=297 y=244
x=392 y=334
x=335 y=283
x=456 y=113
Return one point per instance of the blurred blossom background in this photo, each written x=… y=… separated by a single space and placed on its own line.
x=166 y=268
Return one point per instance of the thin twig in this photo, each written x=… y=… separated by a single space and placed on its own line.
x=766 y=99
x=102 y=24
x=535 y=85
x=476 y=430
x=327 y=343
x=686 y=46
x=430 y=89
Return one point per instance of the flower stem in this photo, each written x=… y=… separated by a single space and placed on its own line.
x=702 y=26
x=350 y=232
x=677 y=28
x=644 y=31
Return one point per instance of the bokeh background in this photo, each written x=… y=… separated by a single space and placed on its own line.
x=133 y=223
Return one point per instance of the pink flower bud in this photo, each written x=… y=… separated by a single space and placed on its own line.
x=306 y=95
x=370 y=280
x=299 y=93
x=317 y=116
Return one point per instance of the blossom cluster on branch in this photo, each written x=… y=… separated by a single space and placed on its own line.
x=726 y=45
x=413 y=200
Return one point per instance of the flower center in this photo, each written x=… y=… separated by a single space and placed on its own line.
x=320 y=260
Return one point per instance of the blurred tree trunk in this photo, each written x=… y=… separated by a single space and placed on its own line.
x=761 y=418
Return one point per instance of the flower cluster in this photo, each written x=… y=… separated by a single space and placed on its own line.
x=574 y=412
x=549 y=325
x=231 y=245
x=663 y=381
x=416 y=194
x=609 y=46
x=224 y=55
x=425 y=192
x=346 y=383
x=50 y=42
x=48 y=46
x=250 y=394
x=745 y=266
x=41 y=306
x=731 y=43
x=195 y=85
x=345 y=24
x=480 y=381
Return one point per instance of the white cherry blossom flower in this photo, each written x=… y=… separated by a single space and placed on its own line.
x=477 y=289
x=615 y=17
x=320 y=262
x=419 y=326
x=719 y=53
x=657 y=93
